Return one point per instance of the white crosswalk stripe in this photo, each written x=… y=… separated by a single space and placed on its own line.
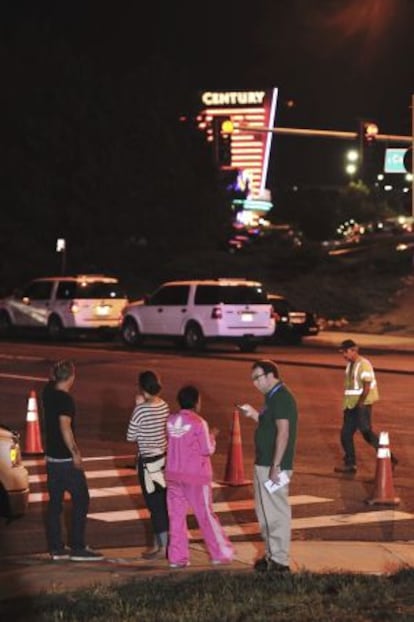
x=312 y=522
x=219 y=507
x=131 y=492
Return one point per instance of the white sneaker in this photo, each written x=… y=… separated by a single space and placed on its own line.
x=183 y=565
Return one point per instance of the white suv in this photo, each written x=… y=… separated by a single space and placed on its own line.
x=194 y=312
x=62 y=304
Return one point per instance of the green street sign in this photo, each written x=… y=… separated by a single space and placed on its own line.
x=394 y=160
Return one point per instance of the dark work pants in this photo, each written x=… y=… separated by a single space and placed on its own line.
x=156 y=503
x=356 y=419
x=64 y=477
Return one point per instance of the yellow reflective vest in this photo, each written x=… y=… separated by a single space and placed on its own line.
x=355 y=375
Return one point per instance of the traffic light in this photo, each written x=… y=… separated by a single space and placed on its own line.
x=370 y=132
x=222 y=131
x=368 y=153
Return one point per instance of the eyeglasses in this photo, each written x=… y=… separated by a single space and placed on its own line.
x=254 y=378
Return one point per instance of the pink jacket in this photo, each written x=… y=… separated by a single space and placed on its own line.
x=189 y=448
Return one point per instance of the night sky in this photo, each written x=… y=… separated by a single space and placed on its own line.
x=335 y=62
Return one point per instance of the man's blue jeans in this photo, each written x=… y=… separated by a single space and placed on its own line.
x=356 y=419
x=62 y=477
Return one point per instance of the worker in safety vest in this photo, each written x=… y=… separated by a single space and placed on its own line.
x=360 y=393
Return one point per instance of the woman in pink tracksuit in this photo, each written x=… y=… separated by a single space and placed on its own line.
x=189 y=475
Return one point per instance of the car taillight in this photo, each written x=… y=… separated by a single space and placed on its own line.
x=216 y=313
x=275 y=316
x=73 y=307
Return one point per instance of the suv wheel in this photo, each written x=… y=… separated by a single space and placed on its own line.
x=5 y=324
x=130 y=332
x=54 y=328
x=247 y=345
x=193 y=337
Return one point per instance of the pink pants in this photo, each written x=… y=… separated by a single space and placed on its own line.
x=180 y=495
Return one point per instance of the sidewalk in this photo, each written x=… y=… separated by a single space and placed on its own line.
x=37 y=573
x=366 y=341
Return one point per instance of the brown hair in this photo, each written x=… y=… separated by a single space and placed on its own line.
x=149 y=382
x=62 y=370
x=268 y=366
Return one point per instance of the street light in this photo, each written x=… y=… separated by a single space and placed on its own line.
x=61 y=248
x=351 y=169
x=351 y=166
x=352 y=155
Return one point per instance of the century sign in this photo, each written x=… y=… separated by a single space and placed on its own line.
x=250 y=113
x=233 y=98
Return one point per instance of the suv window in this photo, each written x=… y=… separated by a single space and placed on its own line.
x=83 y=290
x=229 y=294
x=171 y=295
x=39 y=290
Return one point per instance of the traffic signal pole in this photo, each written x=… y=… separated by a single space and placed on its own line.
x=291 y=131
x=326 y=133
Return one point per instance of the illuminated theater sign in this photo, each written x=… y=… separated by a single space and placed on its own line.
x=250 y=113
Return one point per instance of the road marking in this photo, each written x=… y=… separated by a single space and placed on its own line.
x=337 y=520
x=313 y=522
x=41 y=461
x=250 y=529
x=95 y=493
x=20 y=377
x=219 y=507
x=101 y=474
x=21 y=357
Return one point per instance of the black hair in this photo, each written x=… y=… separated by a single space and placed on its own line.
x=149 y=382
x=268 y=366
x=62 y=370
x=188 y=396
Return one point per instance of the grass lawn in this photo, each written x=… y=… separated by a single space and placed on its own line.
x=231 y=597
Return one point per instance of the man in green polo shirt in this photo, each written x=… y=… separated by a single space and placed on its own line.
x=275 y=441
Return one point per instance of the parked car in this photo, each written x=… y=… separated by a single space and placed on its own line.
x=291 y=325
x=58 y=305
x=194 y=312
x=14 y=478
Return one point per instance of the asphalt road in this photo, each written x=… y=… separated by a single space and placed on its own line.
x=326 y=506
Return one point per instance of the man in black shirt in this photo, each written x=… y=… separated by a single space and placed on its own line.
x=64 y=467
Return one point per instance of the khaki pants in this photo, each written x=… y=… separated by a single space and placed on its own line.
x=274 y=515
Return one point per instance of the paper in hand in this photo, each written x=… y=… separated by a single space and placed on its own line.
x=284 y=479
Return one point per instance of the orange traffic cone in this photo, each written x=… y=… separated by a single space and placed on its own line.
x=33 y=445
x=384 y=493
x=235 y=469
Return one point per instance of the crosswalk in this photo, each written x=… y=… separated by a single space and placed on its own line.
x=124 y=489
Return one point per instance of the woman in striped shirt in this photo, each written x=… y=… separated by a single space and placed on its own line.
x=148 y=428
